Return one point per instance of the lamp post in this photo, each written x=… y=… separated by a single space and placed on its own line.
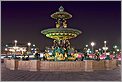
x=29 y=44
x=6 y=51
x=115 y=50
x=100 y=51
x=88 y=51
x=92 y=44
x=15 y=41
x=34 y=47
x=86 y=48
x=105 y=47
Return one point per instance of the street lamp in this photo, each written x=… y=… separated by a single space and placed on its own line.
x=29 y=44
x=34 y=45
x=105 y=42
x=117 y=50
x=6 y=51
x=6 y=45
x=92 y=44
x=99 y=49
x=115 y=46
x=15 y=42
x=86 y=45
x=88 y=51
x=105 y=48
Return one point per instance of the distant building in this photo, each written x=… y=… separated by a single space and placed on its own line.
x=19 y=49
x=11 y=49
x=15 y=50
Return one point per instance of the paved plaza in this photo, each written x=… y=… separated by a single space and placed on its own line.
x=19 y=75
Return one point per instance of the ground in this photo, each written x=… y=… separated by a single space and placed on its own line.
x=19 y=75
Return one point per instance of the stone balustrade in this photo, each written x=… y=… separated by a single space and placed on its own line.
x=62 y=66
x=23 y=65
x=36 y=65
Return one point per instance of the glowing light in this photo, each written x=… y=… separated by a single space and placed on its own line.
x=79 y=55
x=6 y=49
x=34 y=45
x=69 y=33
x=102 y=57
x=24 y=50
x=92 y=43
x=18 y=50
x=117 y=50
x=107 y=53
x=88 y=49
x=115 y=46
x=105 y=48
x=119 y=59
x=86 y=45
x=11 y=50
x=21 y=49
x=50 y=53
x=6 y=45
x=91 y=55
x=96 y=50
x=99 y=49
x=15 y=47
x=29 y=44
x=41 y=54
x=105 y=42
x=15 y=41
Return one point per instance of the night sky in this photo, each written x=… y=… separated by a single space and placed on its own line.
x=24 y=20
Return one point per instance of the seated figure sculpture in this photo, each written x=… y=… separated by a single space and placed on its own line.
x=48 y=57
x=72 y=58
x=59 y=56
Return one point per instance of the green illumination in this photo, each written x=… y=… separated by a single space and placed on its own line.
x=61 y=34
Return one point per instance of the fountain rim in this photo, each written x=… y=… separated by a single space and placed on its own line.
x=66 y=14
x=45 y=31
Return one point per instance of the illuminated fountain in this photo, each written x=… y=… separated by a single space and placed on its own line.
x=61 y=35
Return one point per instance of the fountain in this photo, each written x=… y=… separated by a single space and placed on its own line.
x=61 y=35
x=60 y=55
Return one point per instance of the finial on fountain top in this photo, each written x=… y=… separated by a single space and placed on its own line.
x=61 y=8
x=61 y=16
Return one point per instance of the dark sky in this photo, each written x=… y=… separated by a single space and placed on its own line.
x=98 y=21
